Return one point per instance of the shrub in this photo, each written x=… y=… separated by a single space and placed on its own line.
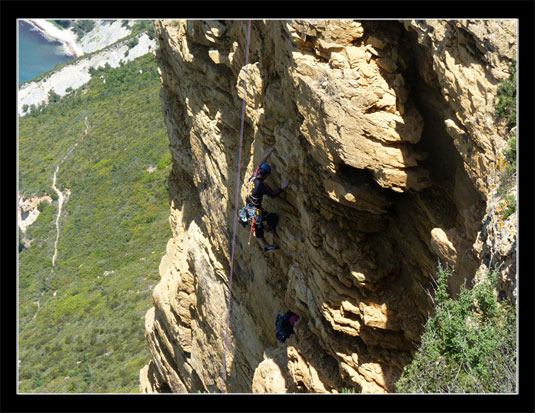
x=510 y=206
x=42 y=205
x=82 y=27
x=143 y=25
x=468 y=346
x=506 y=104
x=510 y=151
x=133 y=42
x=508 y=173
x=53 y=97
x=38 y=379
x=63 y=23
x=162 y=164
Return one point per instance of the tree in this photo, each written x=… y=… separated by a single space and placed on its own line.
x=81 y=27
x=63 y=23
x=133 y=42
x=53 y=97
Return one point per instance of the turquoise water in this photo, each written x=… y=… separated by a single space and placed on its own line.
x=37 y=55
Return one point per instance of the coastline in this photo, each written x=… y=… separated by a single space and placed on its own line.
x=76 y=74
x=65 y=37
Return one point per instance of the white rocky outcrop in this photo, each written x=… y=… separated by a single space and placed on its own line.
x=66 y=36
x=28 y=212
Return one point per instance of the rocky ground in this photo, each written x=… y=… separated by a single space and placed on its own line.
x=27 y=211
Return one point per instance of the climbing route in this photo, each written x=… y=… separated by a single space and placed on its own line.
x=236 y=207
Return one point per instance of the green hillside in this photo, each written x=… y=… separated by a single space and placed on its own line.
x=81 y=322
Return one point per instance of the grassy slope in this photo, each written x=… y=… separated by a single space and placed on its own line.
x=116 y=219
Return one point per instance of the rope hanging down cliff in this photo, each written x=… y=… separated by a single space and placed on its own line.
x=236 y=207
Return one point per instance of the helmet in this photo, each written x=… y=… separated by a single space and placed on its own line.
x=265 y=168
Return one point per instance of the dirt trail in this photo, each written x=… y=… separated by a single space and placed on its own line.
x=61 y=197
x=60 y=205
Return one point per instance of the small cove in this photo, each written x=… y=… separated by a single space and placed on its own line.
x=37 y=54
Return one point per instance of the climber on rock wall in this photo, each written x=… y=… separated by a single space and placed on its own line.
x=253 y=209
x=284 y=325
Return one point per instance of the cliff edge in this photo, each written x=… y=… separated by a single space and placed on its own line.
x=387 y=131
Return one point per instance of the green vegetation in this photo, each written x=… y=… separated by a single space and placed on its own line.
x=60 y=24
x=506 y=105
x=468 y=346
x=144 y=26
x=509 y=206
x=506 y=109
x=507 y=170
x=81 y=323
x=53 y=97
x=80 y=27
x=133 y=42
x=507 y=177
x=510 y=151
x=63 y=24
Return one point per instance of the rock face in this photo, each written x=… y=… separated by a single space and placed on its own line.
x=387 y=133
x=27 y=210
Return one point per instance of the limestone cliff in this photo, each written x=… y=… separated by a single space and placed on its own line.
x=387 y=132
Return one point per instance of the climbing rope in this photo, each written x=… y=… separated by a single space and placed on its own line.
x=236 y=208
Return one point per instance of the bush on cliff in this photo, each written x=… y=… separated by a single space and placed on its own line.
x=506 y=104
x=468 y=346
x=62 y=24
x=82 y=27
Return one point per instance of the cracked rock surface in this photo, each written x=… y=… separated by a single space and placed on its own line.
x=386 y=133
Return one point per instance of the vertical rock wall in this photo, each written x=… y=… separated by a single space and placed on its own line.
x=386 y=131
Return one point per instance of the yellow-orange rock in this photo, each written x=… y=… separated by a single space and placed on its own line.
x=384 y=129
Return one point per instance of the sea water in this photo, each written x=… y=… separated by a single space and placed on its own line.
x=37 y=54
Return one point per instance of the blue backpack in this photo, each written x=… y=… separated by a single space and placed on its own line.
x=283 y=326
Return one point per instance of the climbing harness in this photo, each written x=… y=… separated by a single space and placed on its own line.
x=247 y=214
x=236 y=207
